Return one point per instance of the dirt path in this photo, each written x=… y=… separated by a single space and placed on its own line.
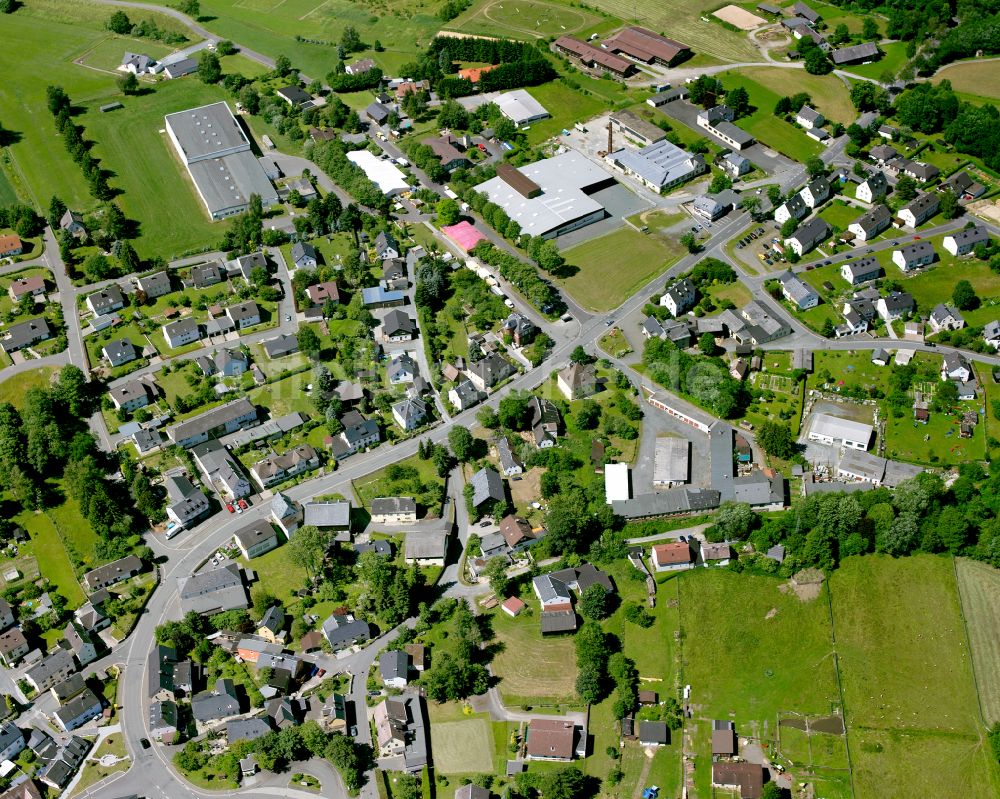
x=640 y=784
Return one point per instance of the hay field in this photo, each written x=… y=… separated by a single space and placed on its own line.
x=979 y=586
x=525 y=18
x=974 y=77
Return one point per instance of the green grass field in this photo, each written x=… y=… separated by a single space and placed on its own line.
x=533 y=669
x=53 y=560
x=463 y=747
x=893 y=60
x=752 y=651
x=7 y=193
x=828 y=92
x=279 y=575
x=616 y=265
x=903 y=721
x=526 y=18
x=13 y=390
x=979 y=587
x=107 y=53
x=129 y=143
x=765 y=126
x=931 y=286
x=980 y=78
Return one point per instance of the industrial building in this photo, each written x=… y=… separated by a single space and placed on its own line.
x=552 y=196
x=829 y=429
x=659 y=166
x=671 y=462
x=382 y=173
x=217 y=154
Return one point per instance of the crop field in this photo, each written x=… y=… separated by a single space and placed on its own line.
x=612 y=267
x=531 y=667
x=463 y=747
x=979 y=587
x=902 y=719
x=767 y=652
x=145 y=167
x=520 y=18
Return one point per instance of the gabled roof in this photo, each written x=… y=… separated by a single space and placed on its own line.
x=486 y=485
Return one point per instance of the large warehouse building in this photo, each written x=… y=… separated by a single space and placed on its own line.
x=550 y=197
x=218 y=157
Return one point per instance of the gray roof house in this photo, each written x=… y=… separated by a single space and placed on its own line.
x=809 y=235
x=217 y=704
x=304 y=255
x=119 y=351
x=871 y=223
x=797 y=291
x=106 y=300
x=342 y=631
x=154 y=285
x=25 y=334
x=486 y=485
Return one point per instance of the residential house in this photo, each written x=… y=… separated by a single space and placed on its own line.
x=182 y=332
x=304 y=255
x=577 y=381
x=286 y=514
x=394 y=510
x=84 y=707
x=52 y=669
x=105 y=301
x=10 y=244
x=272 y=625
x=398 y=326
x=11 y=741
x=278 y=468
x=410 y=413
x=244 y=315
x=793 y=208
x=864 y=53
x=679 y=297
x=221 y=470
x=743 y=777
x=213 y=591
x=858 y=272
x=358 y=433
x=216 y=705
x=965 y=241
x=809 y=235
x=185 y=503
x=281 y=346
x=81 y=643
x=713 y=206
x=920 y=209
x=991 y=334
x=26 y=286
x=816 y=192
x=464 y=395
x=72 y=223
x=111 y=573
x=544 y=422
x=381 y=297
x=489 y=371
x=205 y=275
x=25 y=334
x=360 y=67
x=444 y=147
x=915 y=255
x=154 y=285
x=321 y=293
x=873 y=188
x=552 y=739
x=674 y=556
x=920 y=172
x=734 y=165
x=13 y=646
x=401 y=730
x=870 y=224
x=946 y=317
x=809 y=118
x=386 y=246
x=895 y=305
x=520 y=329
x=883 y=153
x=394 y=668
x=654 y=733
x=235 y=415
x=955 y=366
x=119 y=351
x=256 y=538
x=342 y=631
x=719 y=122
x=510 y=465
x=163 y=721
x=797 y=291
x=487 y=486
x=329 y=515
x=131 y=396
x=6 y=614
x=402 y=369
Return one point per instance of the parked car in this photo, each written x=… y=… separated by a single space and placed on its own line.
x=230 y=508
x=243 y=504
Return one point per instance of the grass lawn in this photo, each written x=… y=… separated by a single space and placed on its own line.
x=901 y=722
x=828 y=92
x=107 y=53
x=285 y=396
x=979 y=588
x=893 y=60
x=130 y=143
x=738 y=294
x=765 y=126
x=614 y=343
x=279 y=575
x=94 y=772
x=614 y=266
x=834 y=369
x=567 y=106
x=380 y=484
x=53 y=560
x=931 y=286
x=838 y=214
x=13 y=391
x=937 y=441
x=767 y=652
x=463 y=747
x=533 y=670
x=657 y=219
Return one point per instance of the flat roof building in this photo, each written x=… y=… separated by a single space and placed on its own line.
x=671 y=461
x=616 y=482
x=552 y=196
x=217 y=154
x=382 y=173
x=829 y=429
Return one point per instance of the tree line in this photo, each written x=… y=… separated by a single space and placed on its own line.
x=60 y=107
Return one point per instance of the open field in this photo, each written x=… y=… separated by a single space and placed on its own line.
x=130 y=144
x=107 y=53
x=929 y=286
x=53 y=560
x=828 y=92
x=892 y=680
x=981 y=78
x=463 y=747
x=767 y=652
x=892 y=60
x=527 y=18
x=614 y=266
x=567 y=106
x=979 y=588
x=7 y=193
x=765 y=126
x=13 y=390
x=531 y=668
